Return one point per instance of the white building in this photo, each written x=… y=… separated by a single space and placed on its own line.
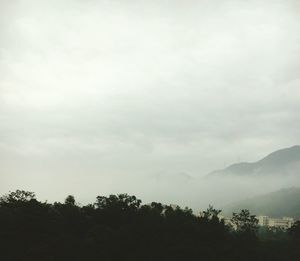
x=284 y=223
x=263 y=221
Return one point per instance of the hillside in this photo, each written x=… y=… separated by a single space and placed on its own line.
x=281 y=162
x=285 y=202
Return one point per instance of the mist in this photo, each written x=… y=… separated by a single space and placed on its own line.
x=146 y=97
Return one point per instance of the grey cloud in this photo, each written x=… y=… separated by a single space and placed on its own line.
x=115 y=92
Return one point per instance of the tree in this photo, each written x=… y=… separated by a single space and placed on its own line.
x=244 y=221
x=294 y=231
x=18 y=196
x=70 y=200
x=211 y=212
x=121 y=202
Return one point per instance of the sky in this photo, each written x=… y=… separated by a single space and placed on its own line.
x=140 y=96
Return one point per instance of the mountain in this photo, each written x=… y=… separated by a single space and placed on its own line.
x=285 y=202
x=283 y=162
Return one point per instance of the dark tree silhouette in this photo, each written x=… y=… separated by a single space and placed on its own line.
x=294 y=231
x=244 y=221
x=120 y=227
x=211 y=212
x=70 y=200
x=18 y=196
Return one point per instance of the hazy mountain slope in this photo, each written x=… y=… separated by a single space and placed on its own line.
x=282 y=162
x=285 y=202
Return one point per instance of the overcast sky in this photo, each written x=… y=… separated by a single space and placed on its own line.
x=112 y=96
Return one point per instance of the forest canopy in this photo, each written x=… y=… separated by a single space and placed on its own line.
x=121 y=227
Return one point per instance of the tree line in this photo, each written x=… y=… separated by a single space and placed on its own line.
x=120 y=227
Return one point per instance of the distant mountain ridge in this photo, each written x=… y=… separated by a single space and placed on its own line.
x=284 y=161
x=285 y=202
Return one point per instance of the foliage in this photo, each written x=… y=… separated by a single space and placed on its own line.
x=211 y=212
x=245 y=222
x=70 y=200
x=18 y=196
x=294 y=231
x=120 y=227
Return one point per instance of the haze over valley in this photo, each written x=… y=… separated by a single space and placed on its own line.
x=148 y=98
x=151 y=130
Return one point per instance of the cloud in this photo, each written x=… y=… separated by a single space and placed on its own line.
x=111 y=92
